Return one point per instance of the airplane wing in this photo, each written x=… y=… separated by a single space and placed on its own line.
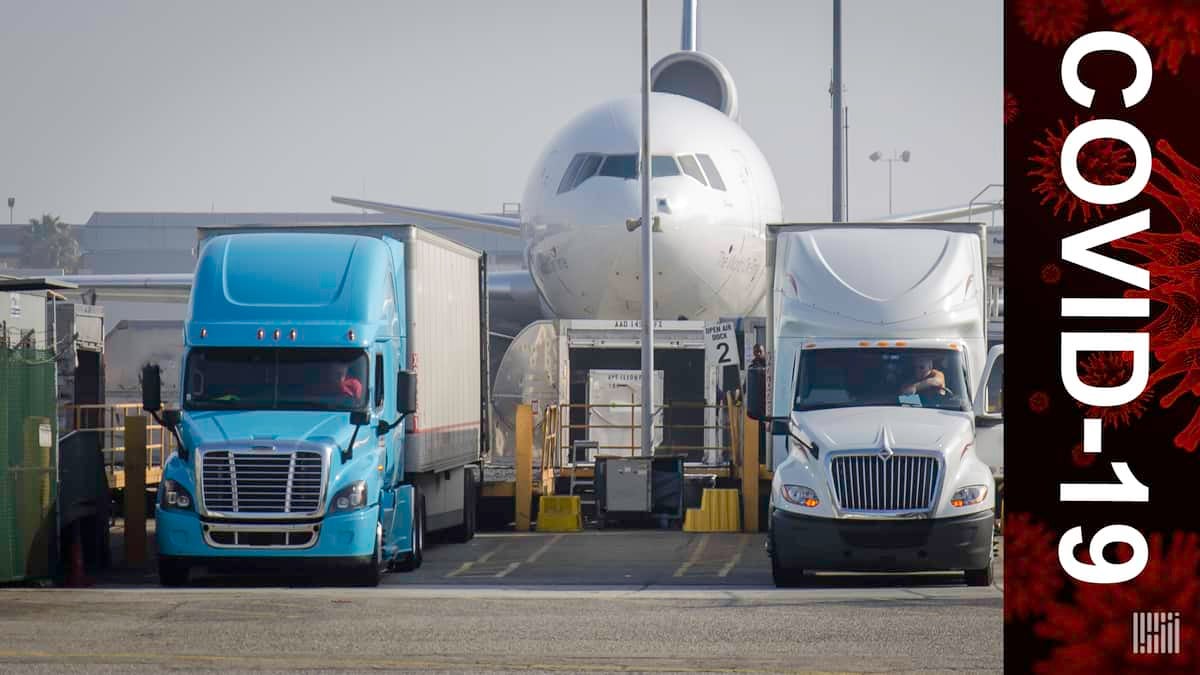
x=474 y=221
x=944 y=214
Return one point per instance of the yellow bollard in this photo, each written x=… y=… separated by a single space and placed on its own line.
x=135 y=490
x=559 y=514
x=749 y=473
x=524 y=466
x=718 y=512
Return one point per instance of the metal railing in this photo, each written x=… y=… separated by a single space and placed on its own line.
x=718 y=431
x=109 y=422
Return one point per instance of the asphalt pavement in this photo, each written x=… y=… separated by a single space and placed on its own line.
x=604 y=601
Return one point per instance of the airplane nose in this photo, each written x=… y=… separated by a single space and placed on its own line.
x=675 y=229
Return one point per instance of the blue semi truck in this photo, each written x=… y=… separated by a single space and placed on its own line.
x=302 y=438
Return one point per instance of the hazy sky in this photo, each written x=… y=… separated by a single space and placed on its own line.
x=272 y=105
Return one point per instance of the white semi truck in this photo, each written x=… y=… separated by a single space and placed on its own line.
x=878 y=375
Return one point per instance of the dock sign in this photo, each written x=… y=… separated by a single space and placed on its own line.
x=720 y=345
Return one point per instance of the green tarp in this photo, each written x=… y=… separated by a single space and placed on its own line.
x=28 y=440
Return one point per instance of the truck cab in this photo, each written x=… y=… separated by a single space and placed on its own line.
x=294 y=399
x=879 y=371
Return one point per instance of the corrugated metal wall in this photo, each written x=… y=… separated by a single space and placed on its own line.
x=28 y=435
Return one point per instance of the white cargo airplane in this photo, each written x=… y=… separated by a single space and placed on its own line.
x=712 y=193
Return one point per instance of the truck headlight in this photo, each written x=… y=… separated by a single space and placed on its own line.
x=351 y=497
x=972 y=494
x=800 y=495
x=174 y=496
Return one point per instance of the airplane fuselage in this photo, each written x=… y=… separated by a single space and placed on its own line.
x=712 y=192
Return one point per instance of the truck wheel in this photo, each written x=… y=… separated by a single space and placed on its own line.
x=784 y=577
x=371 y=573
x=173 y=573
x=461 y=534
x=985 y=575
x=411 y=561
x=980 y=577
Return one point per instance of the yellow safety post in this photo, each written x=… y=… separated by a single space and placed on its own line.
x=749 y=473
x=718 y=512
x=135 y=490
x=524 y=463
x=559 y=514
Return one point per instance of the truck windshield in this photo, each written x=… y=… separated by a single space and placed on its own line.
x=275 y=379
x=845 y=378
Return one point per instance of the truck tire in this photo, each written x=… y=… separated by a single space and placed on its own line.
x=409 y=562
x=371 y=573
x=984 y=576
x=461 y=534
x=980 y=577
x=173 y=573
x=784 y=577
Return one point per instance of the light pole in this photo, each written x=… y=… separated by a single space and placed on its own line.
x=902 y=157
x=835 y=90
x=647 y=253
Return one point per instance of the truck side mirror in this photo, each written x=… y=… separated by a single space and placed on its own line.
x=406 y=392
x=151 y=387
x=756 y=392
x=989 y=399
x=360 y=417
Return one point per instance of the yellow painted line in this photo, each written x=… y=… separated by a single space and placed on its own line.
x=737 y=557
x=482 y=559
x=505 y=572
x=695 y=557
x=545 y=547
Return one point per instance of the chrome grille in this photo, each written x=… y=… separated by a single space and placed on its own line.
x=256 y=482
x=900 y=483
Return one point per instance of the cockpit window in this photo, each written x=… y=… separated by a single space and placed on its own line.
x=714 y=176
x=568 y=179
x=620 y=166
x=663 y=165
x=588 y=169
x=691 y=168
x=581 y=168
x=588 y=164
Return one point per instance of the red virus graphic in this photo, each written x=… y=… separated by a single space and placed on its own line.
x=1110 y=369
x=1174 y=265
x=1094 y=632
x=1080 y=458
x=1039 y=402
x=1170 y=28
x=1032 y=575
x=1103 y=162
x=1010 y=107
x=1052 y=23
x=1051 y=273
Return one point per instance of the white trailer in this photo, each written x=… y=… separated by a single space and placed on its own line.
x=879 y=371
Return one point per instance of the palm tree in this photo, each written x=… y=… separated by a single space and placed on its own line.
x=49 y=243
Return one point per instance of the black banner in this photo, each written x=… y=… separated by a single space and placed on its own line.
x=1116 y=217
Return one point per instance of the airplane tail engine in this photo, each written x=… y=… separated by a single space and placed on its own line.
x=697 y=76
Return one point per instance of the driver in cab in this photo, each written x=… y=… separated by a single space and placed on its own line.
x=926 y=380
x=341 y=384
